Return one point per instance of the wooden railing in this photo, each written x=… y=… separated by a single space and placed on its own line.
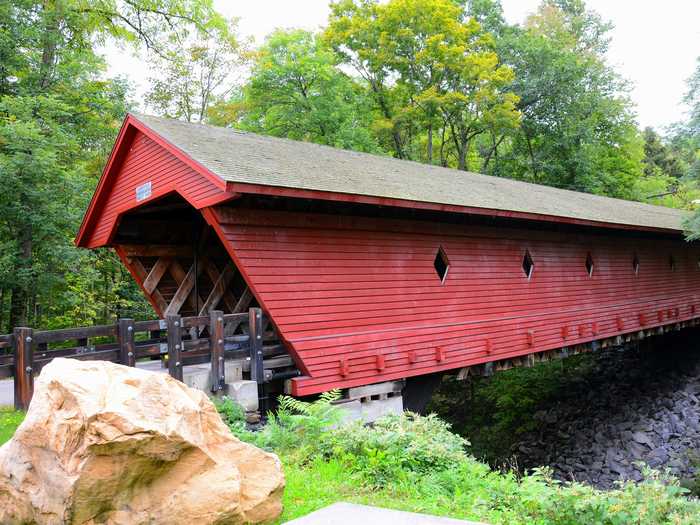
x=179 y=340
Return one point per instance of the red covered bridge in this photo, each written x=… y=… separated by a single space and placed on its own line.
x=373 y=269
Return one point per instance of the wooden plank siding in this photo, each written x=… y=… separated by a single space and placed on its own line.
x=347 y=293
x=147 y=161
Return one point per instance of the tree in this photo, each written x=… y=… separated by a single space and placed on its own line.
x=686 y=142
x=578 y=129
x=429 y=67
x=659 y=159
x=195 y=72
x=58 y=118
x=296 y=91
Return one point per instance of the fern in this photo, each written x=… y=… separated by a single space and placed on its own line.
x=298 y=425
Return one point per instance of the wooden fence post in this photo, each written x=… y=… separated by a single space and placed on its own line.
x=23 y=343
x=175 y=346
x=216 y=345
x=127 y=353
x=257 y=372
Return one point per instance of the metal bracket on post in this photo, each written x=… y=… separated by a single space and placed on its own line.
x=23 y=342
x=216 y=343
x=257 y=372
x=174 y=323
x=127 y=351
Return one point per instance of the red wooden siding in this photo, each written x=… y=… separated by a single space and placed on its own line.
x=359 y=301
x=147 y=161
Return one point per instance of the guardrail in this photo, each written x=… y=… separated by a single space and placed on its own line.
x=179 y=340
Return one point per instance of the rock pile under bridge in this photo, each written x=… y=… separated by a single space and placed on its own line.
x=634 y=407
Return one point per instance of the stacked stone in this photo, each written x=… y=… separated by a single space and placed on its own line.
x=632 y=408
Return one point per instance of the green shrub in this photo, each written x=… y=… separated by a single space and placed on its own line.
x=296 y=428
x=232 y=414
x=416 y=463
x=394 y=445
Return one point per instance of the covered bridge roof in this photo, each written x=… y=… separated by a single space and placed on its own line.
x=251 y=163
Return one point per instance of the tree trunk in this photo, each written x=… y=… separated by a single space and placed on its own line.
x=48 y=53
x=398 y=149
x=430 y=144
x=20 y=296
x=532 y=157
x=462 y=159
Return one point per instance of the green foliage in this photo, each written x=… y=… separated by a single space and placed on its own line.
x=496 y=411
x=299 y=425
x=686 y=142
x=296 y=91
x=434 y=74
x=394 y=446
x=58 y=120
x=9 y=421
x=415 y=463
x=195 y=72
x=232 y=414
x=578 y=130
x=296 y=428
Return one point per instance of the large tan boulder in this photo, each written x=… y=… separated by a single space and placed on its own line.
x=104 y=443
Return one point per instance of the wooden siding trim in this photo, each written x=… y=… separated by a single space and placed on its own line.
x=116 y=156
x=280 y=191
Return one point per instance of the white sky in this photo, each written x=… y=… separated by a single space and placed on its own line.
x=654 y=44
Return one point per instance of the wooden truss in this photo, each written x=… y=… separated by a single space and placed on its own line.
x=169 y=263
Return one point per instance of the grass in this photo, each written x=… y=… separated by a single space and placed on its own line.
x=9 y=421
x=486 y=496
x=321 y=483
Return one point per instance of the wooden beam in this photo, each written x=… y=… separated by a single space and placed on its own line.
x=127 y=351
x=150 y=283
x=221 y=282
x=185 y=283
x=156 y=250
x=216 y=344
x=228 y=297
x=243 y=302
x=141 y=274
x=174 y=323
x=23 y=342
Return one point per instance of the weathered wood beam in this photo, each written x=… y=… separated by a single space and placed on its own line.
x=156 y=250
x=150 y=283
x=241 y=306
x=185 y=287
x=243 y=302
x=141 y=274
x=221 y=282
x=214 y=276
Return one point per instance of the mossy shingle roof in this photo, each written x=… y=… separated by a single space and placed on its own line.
x=242 y=157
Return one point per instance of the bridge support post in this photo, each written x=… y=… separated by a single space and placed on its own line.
x=257 y=372
x=23 y=345
x=216 y=345
x=127 y=354
x=174 y=323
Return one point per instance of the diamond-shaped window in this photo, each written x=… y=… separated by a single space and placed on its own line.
x=528 y=264
x=589 y=265
x=635 y=264
x=442 y=264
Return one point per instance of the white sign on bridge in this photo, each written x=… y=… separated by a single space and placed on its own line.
x=143 y=191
